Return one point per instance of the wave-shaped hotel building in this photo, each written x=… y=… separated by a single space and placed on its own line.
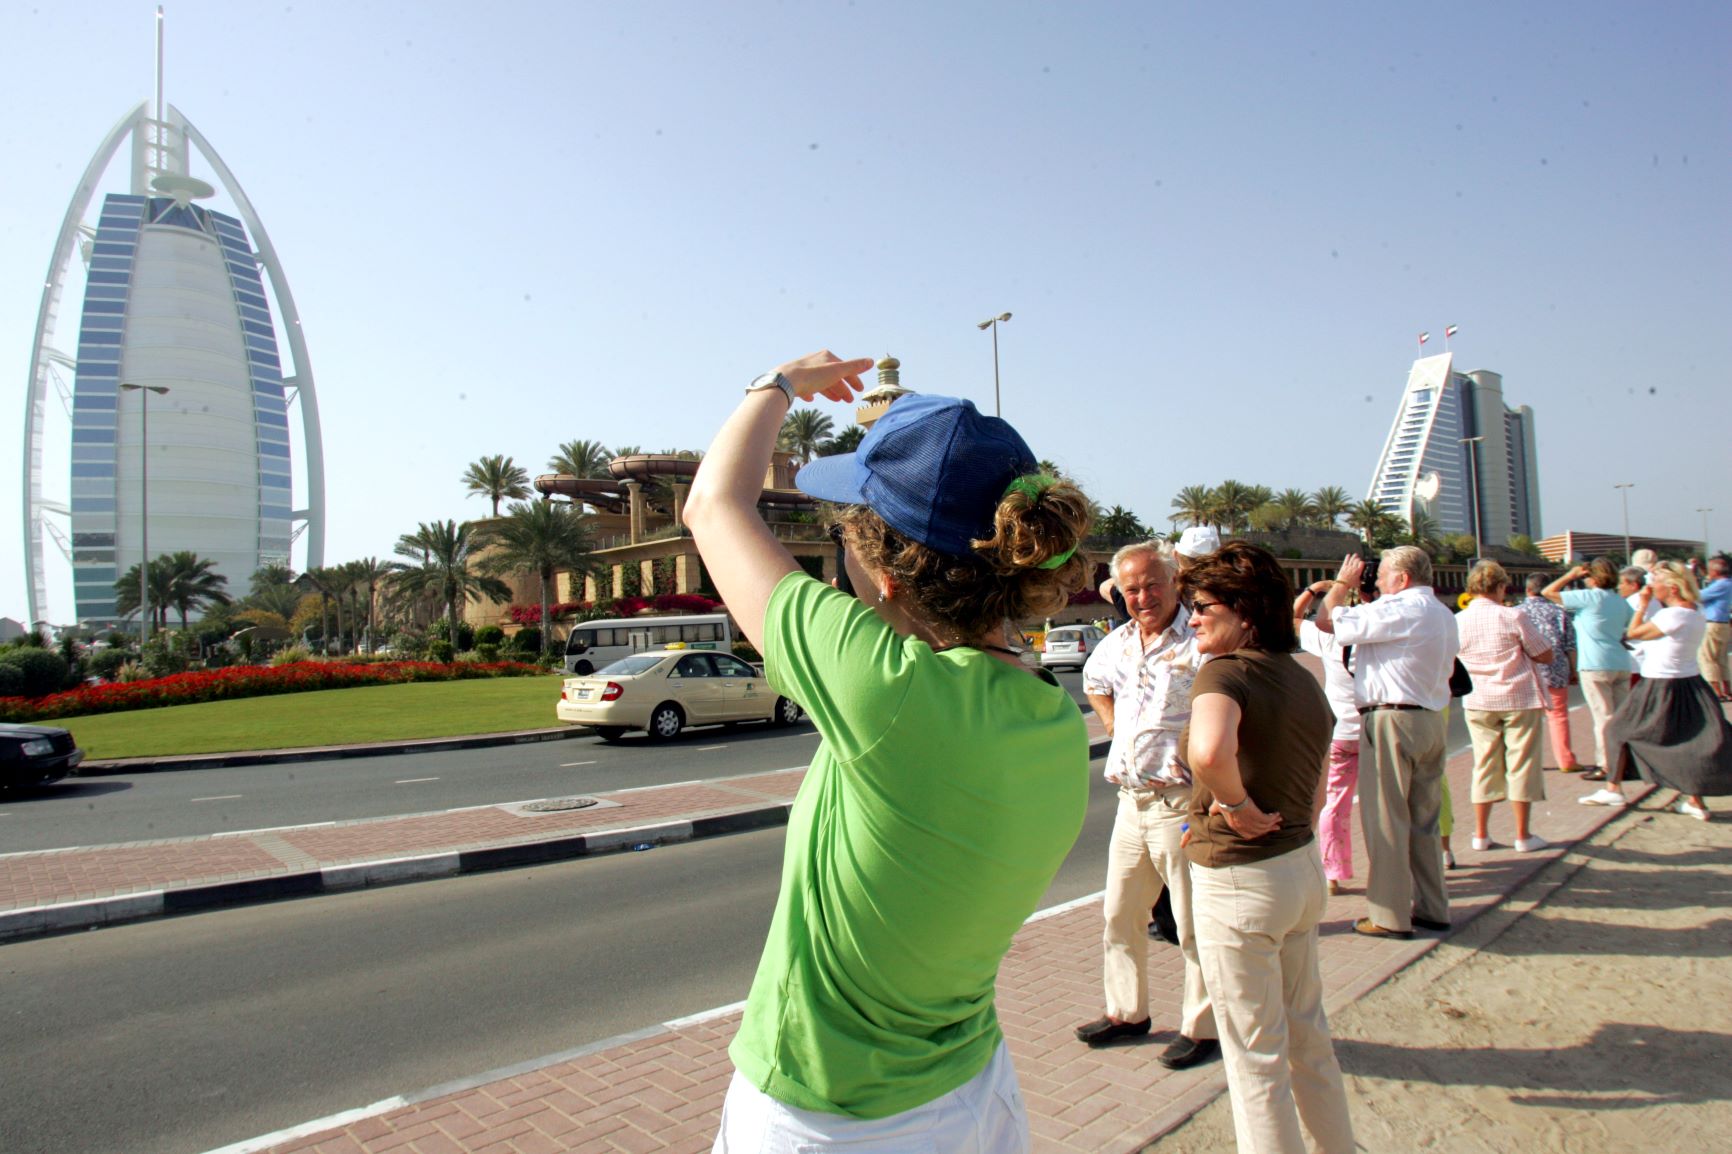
x=176 y=340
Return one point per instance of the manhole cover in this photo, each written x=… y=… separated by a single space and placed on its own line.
x=559 y=804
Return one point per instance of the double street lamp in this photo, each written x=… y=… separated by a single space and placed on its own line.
x=1624 y=488
x=143 y=505
x=1473 y=471
x=993 y=323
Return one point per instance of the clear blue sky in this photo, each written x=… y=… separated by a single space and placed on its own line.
x=1219 y=227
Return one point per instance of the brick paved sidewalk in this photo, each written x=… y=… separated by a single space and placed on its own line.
x=661 y=1089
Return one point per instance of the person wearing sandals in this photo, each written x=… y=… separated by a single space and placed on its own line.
x=1503 y=652
x=1599 y=616
x=1256 y=743
x=950 y=782
x=1671 y=727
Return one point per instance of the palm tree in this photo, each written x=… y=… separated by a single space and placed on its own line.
x=193 y=583
x=1332 y=501
x=803 y=431
x=1366 y=518
x=498 y=478
x=368 y=572
x=1194 y=505
x=273 y=591
x=1233 y=503
x=1422 y=531
x=126 y=591
x=327 y=582
x=446 y=551
x=581 y=459
x=1295 y=507
x=1119 y=525
x=849 y=440
x=538 y=537
x=627 y=451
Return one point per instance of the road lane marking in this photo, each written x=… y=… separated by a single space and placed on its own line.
x=708 y=748
x=413 y=780
x=574 y=764
x=222 y=797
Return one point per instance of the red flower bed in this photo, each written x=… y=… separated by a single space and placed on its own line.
x=245 y=681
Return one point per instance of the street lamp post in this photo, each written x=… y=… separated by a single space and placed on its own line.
x=1624 y=491
x=1704 y=513
x=1473 y=471
x=143 y=503
x=992 y=323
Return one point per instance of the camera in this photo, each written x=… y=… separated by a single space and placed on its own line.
x=1368 y=579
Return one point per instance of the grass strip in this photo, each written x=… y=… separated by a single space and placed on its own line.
x=324 y=717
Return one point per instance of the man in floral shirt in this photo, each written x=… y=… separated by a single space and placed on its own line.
x=1139 y=682
x=1553 y=622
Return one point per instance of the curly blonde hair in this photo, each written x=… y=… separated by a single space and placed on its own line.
x=1002 y=578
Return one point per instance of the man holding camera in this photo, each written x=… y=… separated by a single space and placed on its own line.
x=1406 y=642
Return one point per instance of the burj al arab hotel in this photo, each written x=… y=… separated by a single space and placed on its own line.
x=180 y=396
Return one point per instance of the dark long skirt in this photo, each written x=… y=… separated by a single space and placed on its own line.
x=1673 y=731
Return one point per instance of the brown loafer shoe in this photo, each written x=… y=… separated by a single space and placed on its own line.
x=1182 y=1053
x=1103 y=1030
x=1372 y=930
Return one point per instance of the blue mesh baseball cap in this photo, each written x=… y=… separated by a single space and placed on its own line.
x=933 y=467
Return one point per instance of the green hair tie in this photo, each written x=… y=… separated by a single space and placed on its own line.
x=1032 y=486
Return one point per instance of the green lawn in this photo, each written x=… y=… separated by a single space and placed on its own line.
x=327 y=717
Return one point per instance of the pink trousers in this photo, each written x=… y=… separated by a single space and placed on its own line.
x=1558 y=725
x=1335 y=825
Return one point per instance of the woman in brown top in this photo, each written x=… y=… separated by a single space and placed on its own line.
x=1256 y=743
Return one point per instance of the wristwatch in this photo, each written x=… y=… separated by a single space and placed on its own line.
x=773 y=380
x=1234 y=808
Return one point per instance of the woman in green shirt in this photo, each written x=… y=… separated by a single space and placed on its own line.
x=950 y=783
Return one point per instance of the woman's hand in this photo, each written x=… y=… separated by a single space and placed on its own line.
x=825 y=372
x=1249 y=822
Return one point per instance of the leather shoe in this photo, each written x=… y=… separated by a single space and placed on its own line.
x=1182 y=1053
x=1372 y=930
x=1103 y=1030
x=1429 y=924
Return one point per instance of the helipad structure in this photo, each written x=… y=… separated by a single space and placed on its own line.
x=176 y=339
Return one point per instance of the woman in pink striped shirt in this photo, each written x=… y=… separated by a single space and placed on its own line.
x=1503 y=651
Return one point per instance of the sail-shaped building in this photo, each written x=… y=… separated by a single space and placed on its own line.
x=181 y=395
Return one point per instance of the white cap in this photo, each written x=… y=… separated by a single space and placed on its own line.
x=1199 y=541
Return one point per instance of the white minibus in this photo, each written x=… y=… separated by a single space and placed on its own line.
x=594 y=645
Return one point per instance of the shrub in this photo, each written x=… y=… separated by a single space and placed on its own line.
x=489 y=635
x=290 y=655
x=440 y=650
x=744 y=651
x=486 y=651
x=165 y=653
x=42 y=671
x=11 y=680
x=440 y=630
x=527 y=640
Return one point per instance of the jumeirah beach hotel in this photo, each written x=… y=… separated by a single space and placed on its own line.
x=178 y=389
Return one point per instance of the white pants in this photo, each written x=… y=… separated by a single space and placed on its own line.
x=1604 y=690
x=984 y=1115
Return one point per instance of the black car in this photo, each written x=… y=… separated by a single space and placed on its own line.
x=35 y=755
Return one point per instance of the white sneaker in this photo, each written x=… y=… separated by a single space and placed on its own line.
x=1683 y=806
x=1603 y=797
x=1484 y=843
x=1531 y=843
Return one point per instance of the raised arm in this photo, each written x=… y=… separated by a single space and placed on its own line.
x=741 y=555
x=1555 y=591
x=1641 y=629
x=1347 y=580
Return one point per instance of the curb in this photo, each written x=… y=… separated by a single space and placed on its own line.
x=327 y=752
x=42 y=921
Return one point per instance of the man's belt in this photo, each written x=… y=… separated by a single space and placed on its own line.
x=1364 y=709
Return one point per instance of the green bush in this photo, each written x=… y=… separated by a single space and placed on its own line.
x=489 y=635
x=106 y=663
x=41 y=671
x=744 y=651
x=486 y=651
x=440 y=650
x=290 y=655
x=440 y=631
x=165 y=653
x=527 y=639
x=11 y=681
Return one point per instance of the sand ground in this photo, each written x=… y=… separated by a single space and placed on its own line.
x=1591 y=1012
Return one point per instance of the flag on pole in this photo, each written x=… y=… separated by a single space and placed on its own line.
x=1451 y=331
x=1423 y=337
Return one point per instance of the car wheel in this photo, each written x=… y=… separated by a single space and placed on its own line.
x=610 y=733
x=666 y=721
x=583 y=669
x=787 y=712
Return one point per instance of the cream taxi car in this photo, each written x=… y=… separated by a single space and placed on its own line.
x=662 y=693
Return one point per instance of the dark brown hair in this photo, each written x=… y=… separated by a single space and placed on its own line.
x=1249 y=581
x=1001 y=579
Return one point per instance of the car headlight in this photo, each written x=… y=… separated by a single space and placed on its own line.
x=39 y=748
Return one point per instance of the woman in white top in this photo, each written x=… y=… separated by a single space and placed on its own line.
x=1671 y=726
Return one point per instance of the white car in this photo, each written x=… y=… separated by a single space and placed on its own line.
x=662 y=693
x=1070 y=645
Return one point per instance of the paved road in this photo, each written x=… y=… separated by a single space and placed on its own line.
x=109 y=810
x=192 y=1033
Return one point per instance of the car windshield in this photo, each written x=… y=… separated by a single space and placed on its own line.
x=632 y=666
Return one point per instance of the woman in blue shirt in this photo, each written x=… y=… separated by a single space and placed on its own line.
x=1600 y=617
